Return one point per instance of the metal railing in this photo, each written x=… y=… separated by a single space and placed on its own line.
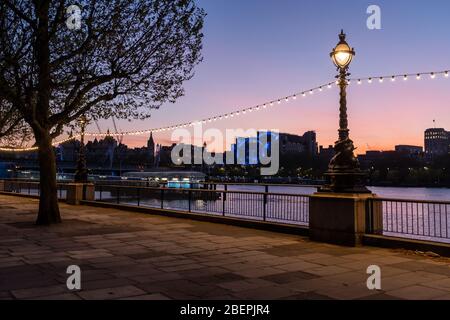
x=418 y=219
x=264 y=187
x=270 y=207
x=31 y=188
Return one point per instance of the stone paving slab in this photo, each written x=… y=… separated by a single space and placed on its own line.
x=127 y=255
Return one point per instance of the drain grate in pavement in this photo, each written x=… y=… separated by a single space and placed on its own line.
x=75 y=228
x=69 y=223
x=99 y=231
x=6 y=207
x=287 y=277
x=287 y=250
x=26 y=213
x=18 y=211
x=224 y=230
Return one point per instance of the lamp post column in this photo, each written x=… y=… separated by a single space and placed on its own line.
x=343 y=121
x=339 y=213
x=344 y=172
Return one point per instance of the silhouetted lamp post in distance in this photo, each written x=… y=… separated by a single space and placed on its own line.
x=344 y=172
x=81 y=174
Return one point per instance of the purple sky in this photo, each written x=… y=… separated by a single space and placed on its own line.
x=259 y=50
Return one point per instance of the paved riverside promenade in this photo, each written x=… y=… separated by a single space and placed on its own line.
x=127 y=255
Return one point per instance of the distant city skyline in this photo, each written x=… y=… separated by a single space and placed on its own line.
x=428 y=142
x=268 y=49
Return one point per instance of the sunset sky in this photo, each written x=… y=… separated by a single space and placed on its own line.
x=259 y=50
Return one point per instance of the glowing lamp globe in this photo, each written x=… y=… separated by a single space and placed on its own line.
x=342 y=55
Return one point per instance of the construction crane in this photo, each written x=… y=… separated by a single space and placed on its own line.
x=119 y=140
x=98 y=126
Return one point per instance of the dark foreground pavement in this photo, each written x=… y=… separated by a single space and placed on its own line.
x=125 y=255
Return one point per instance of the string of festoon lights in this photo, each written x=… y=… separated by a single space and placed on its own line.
x=251 y=110
x=276 y=102
x=404 y=77
x=225 y=116
x=30 y=149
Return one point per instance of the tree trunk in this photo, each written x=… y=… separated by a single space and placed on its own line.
x=48 y=201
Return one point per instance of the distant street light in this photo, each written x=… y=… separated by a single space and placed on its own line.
x=343 y=170
x=81 y=174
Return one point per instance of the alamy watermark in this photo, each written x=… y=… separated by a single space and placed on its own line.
x=74 y=280
x=248 y=147
x=374 y=280
x=374 y=20
x=73 y=22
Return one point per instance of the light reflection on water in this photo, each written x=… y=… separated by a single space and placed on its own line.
x=435 y=194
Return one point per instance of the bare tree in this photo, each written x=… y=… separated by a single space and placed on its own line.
x=126 y=58
x=14 y=131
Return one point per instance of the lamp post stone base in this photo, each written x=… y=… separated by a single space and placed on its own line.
x=341 y=218
x=350 y=182
x=79 y=191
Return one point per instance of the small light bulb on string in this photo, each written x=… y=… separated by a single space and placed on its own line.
x=244 y=111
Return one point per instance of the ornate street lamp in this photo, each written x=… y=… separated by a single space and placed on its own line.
x=81 y=174
x=343 y=171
